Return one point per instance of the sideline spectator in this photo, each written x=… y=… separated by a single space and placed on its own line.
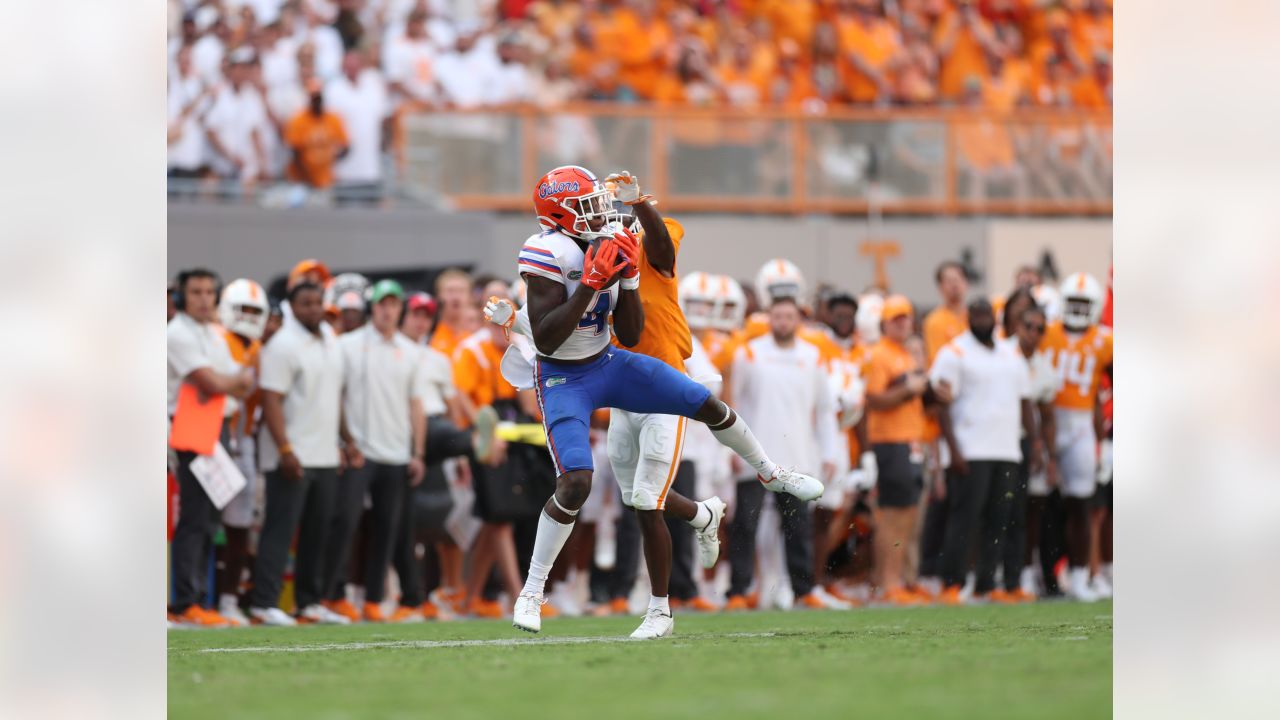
x=895 y=428
x=989 y=389
x=382 y=404
x=453 y=288
x=235 y=124
x=302 y=371
x=199 y=356
x=781 y=389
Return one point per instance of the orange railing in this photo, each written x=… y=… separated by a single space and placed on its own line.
x=949 y=161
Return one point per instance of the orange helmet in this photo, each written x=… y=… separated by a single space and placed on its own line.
x=569 y=198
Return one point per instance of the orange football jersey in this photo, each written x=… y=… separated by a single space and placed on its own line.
x=1079 y=361
x=247 y=356
x=666 y=334
x=477 y=371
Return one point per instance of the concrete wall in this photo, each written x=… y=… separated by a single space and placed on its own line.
x=240 y=241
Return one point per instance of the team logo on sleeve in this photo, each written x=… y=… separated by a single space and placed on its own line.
x=552 y=382
x=575 y=274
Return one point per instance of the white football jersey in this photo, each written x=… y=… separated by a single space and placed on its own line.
x=555 y=256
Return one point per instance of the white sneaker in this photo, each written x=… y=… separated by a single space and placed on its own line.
x=527 y=614
x=656 y=624
x=1078 y=585
x=322 y=615
x=272 y=616
x=1028 y=583
x=1100 y=587
x=794 y=483
x=229 y=608
x=709 y=536
x=829 y=601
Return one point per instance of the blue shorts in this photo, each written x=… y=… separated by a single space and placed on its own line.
x=568 y=394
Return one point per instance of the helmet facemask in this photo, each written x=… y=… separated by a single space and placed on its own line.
x=1078 y=313
x=595 y=205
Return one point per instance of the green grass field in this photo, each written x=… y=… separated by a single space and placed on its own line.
x=1047 y=660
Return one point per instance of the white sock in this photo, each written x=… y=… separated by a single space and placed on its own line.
x=660 y=603
x=546 y=547
x=738 y=438
x=702 y=518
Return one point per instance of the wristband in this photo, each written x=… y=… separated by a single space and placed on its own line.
x=631 y=283
x=286 y=449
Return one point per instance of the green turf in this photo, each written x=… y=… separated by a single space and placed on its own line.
x=1046 y=660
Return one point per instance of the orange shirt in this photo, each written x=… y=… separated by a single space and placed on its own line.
x=477 y=371
x=445 y=339
x=1087 y=93
x=888 y=361
x=666 y=334
x=1079 y=359
x=875 y=44
x=316 y=142
x=941 y=326
x=247 y=356
x=966 y=58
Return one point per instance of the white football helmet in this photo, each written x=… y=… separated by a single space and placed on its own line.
x=698 y=299
x=349 y=282
x=779 y=278
x=242 y=308
x=1049 y=300
x=867 y=320
x=850 y=393
x=1082 y=298
x=732 y=308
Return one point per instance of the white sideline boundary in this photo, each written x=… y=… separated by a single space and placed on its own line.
x=434 y=644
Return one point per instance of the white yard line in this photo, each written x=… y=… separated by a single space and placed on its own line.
x=430 y=644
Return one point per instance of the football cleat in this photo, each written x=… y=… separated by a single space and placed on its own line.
x=321 y=615
x=344 y=608
x=196 y=616
x=709 y=536
x=656 y=624
x=527 y=614
x=805 y=487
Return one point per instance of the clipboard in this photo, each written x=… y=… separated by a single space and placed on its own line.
x=196 y=424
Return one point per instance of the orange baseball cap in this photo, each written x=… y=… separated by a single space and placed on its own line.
x=896 y=305
x=311 y=265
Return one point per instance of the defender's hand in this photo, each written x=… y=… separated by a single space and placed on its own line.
x=626 y=187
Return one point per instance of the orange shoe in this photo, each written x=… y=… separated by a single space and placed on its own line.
x=1020 y=596
x=700 y=604
x=901 y=597
x=373 y=613
x=549 y=611
x=676 y=604
x=429 y=611
x=951 y=596
x=619 y=606
x=487 y=609
x=736 y=603
x=925 y=596
x=200 y=617
x=1000 y=596
x=406 y=614
x=753 y=600
x=344 y=608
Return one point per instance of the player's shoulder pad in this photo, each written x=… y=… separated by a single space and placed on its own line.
x=542 y=255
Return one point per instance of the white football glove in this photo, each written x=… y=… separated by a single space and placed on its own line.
x=1105 y=468
x=500 y=311
x=626 y=188
x=870 y=472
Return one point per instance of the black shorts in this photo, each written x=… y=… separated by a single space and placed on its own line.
x=1102 y=497
x=900 y=481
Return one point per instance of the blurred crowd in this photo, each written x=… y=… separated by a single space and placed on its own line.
x=312 y=90
x=394 y=475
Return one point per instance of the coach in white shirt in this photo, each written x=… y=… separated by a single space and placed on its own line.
x=989 y=391
x=301 y=382
x=199 y=356
x=382 y=403
x=780 y=387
